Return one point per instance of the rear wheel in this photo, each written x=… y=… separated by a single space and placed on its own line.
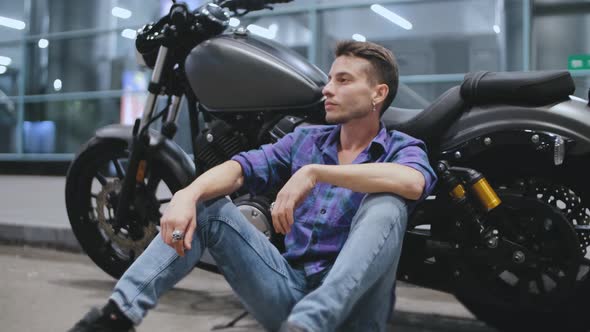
x=548 y=291
x=93 y=185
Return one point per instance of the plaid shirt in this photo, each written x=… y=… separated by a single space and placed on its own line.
x=322 y=221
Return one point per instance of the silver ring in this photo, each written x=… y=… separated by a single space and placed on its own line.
x=177 y=235
x=272 y=205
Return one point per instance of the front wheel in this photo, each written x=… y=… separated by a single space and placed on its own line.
x=93 y=185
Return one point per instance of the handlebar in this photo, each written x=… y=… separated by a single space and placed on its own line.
x=249 y=5
x=179 y=14
x=182 y=28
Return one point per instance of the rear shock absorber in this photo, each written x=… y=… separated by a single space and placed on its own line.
x=477 y=184
x=461 y=184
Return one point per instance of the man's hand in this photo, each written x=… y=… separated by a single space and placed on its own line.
x=290 y=196
x=180 y=215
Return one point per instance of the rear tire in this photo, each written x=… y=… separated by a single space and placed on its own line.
x=95 y=169
x=506 y=309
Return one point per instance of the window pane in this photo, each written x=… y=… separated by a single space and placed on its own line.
x=582 y=86
x=8 y=118
x=420 y=95
x=11 y=68
x=556 y=37
x=50 y=16
x=63 y=126
x=15 y=11
x=289 y=30
x=514 y=33
x=66 y=15
x=80 y=64
x=465 y=36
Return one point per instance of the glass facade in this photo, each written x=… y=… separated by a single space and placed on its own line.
x=460 y=39
x=68 y=67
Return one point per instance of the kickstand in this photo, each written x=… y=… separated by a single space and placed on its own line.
x=231 y=323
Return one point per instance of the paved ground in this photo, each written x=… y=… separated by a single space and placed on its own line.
x=46 y=290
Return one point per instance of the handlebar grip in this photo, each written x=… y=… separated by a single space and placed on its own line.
x=178 y=15
x=255 y=4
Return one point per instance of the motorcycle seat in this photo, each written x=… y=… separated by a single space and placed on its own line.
x=517 y=88
x=429 y=123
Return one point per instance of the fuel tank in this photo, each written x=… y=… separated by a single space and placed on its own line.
x=240 y=72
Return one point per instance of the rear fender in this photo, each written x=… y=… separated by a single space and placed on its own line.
x=538 y=128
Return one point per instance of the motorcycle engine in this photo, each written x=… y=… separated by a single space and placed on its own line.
x=284 y=126
x=257 y=210
x=218 y=143
x=221 y=141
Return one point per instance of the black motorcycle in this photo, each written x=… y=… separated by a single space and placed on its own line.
x=506 y=230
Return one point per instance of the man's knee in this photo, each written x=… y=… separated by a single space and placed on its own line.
x=382 y=206
x=211 y=220
x=212 y=207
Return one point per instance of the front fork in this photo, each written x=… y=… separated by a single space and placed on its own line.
x=135 y=175
x=139 y=154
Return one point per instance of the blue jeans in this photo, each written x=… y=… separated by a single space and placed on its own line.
x=355 y=294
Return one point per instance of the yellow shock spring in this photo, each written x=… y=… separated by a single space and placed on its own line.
x=458 y=192
x=486 y=194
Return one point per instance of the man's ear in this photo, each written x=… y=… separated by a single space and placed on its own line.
x=380 y=93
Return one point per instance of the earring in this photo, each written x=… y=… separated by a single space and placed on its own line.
x=374 y=108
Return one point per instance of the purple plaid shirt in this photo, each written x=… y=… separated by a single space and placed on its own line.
x=322 y=221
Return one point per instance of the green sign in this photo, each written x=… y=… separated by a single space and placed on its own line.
x=578 y=62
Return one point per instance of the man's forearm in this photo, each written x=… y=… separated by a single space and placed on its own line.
x=372 y=178
x=218 y=181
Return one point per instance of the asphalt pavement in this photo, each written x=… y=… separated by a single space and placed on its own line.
x=47 y=283
x=49 y=290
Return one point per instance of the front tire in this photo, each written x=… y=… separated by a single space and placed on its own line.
x=93 y=183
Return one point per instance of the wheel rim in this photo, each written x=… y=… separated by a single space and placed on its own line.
x=563 y=267
x=99 y=187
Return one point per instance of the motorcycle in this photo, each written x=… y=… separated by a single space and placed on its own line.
x=506 y=230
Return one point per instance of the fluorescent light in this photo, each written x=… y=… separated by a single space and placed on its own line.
x=129 y=33
x=496 y=28
x=359 y=37
x=269 y=33
x=43 y=43
x=5 y=61
x=121 y=12
x=57 y=84
x=391 y=16
x=234 y=22
x=12 y=23
x=2 y=69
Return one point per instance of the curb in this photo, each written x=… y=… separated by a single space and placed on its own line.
x=40 y=236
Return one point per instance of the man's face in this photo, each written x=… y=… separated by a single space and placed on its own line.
x=349 y=92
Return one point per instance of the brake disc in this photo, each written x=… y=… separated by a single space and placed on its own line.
x=546 y=275
x=120 y=237
x=569 y=203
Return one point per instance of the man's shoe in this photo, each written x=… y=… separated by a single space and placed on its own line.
x=97 y=321
x=290 y=327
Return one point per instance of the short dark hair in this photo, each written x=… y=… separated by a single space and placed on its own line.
x=382 y=60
